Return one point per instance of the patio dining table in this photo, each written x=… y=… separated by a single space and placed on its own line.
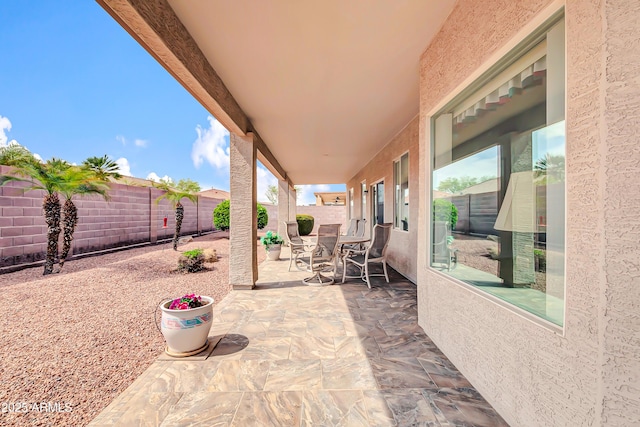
x=344 y=240
x=352 y=240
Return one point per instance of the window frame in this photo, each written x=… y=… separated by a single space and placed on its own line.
x=528 y=37
x=398 y=161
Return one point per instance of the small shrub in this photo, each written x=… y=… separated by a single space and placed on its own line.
x=263 y=216
x=191 y=261
x=193 y=253
x=210 y=255
x=221 y=216
x=305 y=224
x=444 y=210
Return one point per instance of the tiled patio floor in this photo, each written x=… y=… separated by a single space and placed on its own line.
x=296 y=355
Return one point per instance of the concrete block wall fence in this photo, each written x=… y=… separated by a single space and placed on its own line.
x=321 y=215
x=131 y=216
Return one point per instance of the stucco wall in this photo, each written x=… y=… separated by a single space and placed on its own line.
x=533 y=376
x=620 y=212
x=130 y=216
x=402 y=250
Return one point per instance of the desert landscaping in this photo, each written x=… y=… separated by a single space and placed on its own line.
x=82 y=336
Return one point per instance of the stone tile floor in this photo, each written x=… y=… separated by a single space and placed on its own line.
x=295 y=355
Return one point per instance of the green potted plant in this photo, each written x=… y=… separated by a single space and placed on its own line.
x=186 y=323
x=272 y=243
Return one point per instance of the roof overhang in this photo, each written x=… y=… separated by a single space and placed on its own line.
x=323 y=86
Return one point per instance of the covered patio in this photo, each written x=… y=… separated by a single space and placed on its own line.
x=290 y=354
x=366 y=95
x=308 y=90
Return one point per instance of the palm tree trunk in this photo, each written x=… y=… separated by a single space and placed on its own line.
x=179 y=217
x=51 y=209
x=69 y=222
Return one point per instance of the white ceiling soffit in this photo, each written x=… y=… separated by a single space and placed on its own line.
x=326 y=83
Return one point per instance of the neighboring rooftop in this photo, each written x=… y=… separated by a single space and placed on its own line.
x=215 y=193
x=335 y=198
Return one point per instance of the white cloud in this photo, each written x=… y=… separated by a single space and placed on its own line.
x=155 y=178
x=5 y=126
x=265 y=179
x=211 y=145
x=125 y=168
x=305 y=193
x=137 y=142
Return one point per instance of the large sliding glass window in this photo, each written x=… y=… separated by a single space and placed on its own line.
x=401 y=184
x=498 y=168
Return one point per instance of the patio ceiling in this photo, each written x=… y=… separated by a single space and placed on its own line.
x=325 y=84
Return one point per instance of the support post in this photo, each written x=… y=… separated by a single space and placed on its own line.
x=243 y=232
x=283 y=206
x=293 y=199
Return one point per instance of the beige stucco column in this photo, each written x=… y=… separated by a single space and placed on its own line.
x=243 y=259
x=293 y=198
x=283 y=206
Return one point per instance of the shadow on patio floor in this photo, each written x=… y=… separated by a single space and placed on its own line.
x=335 y=355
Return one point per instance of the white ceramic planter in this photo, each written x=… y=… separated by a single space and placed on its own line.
x=186 y=331
x=273 y=253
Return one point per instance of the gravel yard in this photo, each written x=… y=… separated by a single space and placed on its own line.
x=474 y=252
x=82 y=336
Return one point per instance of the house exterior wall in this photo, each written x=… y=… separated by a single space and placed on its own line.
x=402 y=249
x=532 y=375
x=130 y=216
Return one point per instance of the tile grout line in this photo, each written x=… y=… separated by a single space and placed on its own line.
x=235 y=413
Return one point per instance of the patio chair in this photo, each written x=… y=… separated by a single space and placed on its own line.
x=324 y=256
x=353 y=226
x=358 y=232
x=361 y=228
x=376 y=252
x=297 y=245
x=442 y=251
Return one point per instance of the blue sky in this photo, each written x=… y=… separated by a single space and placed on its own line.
x=74 y=84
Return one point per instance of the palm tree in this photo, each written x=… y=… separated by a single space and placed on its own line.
x=103 y=167
x=48 y=177
x=15 y=154
x=185 y=188
x=91 y=178
x=549 y=169
x=77 y=181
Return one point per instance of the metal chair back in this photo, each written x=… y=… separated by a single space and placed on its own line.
x=361 y=228
x=379 y=240
x=353 y=226
x=327 y=243
x=293 y=236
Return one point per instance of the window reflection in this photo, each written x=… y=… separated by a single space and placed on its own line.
x=498 y=175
